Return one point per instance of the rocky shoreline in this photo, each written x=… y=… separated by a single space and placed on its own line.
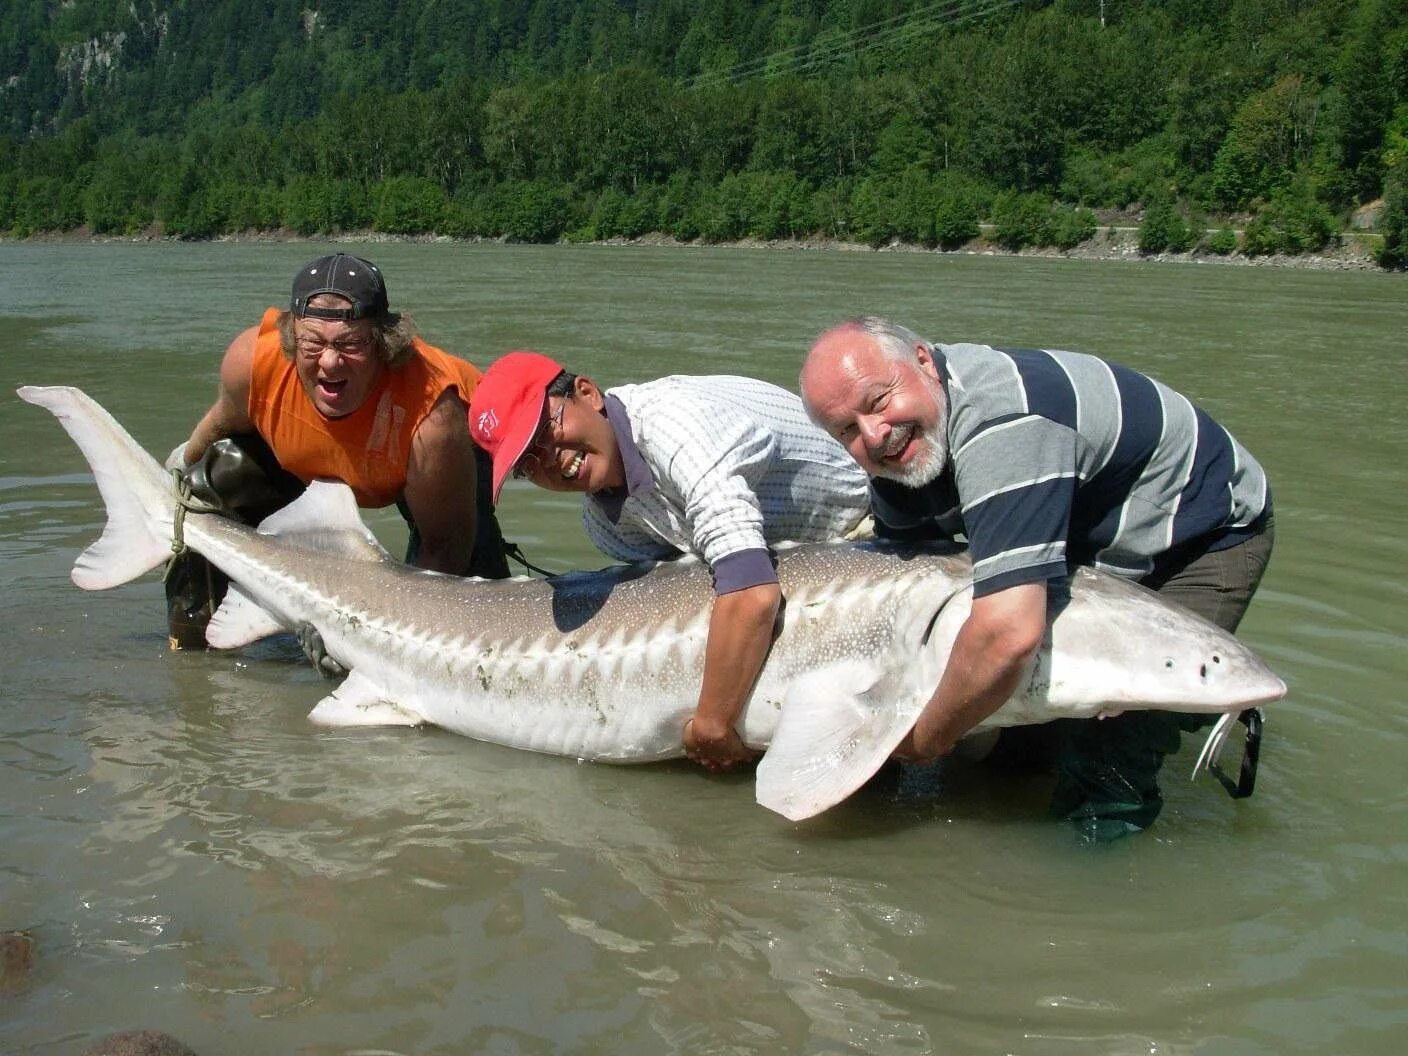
x=1353 y=251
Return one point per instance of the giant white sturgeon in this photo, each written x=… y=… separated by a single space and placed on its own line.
x=605 y=666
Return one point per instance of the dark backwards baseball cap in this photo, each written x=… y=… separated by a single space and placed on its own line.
x=358 y=280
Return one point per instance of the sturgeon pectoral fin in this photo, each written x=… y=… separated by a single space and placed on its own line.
x=837 y=727
x=240 y=620
x=361 y=702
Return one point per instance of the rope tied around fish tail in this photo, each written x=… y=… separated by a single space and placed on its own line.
x=186 y=500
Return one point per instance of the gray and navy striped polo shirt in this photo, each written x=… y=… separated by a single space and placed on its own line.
x=1059 y=459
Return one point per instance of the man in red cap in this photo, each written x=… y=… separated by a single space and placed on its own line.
x=722 y=467
x=339 y=387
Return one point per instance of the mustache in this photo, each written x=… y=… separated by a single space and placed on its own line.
x=899 y=436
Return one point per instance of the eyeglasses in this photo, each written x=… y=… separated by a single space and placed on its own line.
x=310 y=347
x=541 y=447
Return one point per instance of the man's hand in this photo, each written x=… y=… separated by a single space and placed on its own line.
x=906 y=752
x=715 y=747
x=312 y=644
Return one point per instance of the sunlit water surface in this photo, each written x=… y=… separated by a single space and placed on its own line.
x=191 y=855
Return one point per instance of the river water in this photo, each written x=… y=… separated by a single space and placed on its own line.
x=189 y=854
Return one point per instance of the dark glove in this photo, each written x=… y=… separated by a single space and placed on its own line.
x=239 y=478
x=312 y=644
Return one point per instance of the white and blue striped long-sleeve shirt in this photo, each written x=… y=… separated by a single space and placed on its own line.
x=722 y=467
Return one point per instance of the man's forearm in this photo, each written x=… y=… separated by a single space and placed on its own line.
x=990 y=657
x=970 y=691
x=740 y=635
x=220 y=421
x=204 y=434
x=451 y=556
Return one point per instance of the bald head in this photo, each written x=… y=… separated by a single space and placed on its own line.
x=874 y=386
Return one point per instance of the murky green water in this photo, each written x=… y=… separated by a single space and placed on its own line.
x=191 y=855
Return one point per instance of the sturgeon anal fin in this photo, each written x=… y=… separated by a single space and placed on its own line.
x=837 y=727
x=240 y=620
x=360 y=702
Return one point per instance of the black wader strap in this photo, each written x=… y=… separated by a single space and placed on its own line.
x=514 y=551
x=1245 y=784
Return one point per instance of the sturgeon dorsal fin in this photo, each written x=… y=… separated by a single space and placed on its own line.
x=325 y=519
x=837 y=727
x=360 y=702
x=240 y=620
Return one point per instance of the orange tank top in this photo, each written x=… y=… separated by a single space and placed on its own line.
x=367 y=449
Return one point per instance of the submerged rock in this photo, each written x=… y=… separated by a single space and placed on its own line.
x=138 y=1043
x=16 y=959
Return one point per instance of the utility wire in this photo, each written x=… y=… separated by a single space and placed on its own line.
x=750 y=67
x=912 y=29
x=802 y=57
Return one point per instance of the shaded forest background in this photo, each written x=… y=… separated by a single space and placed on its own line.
x=862 y=120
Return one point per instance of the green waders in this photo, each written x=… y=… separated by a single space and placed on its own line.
x=1107 y=769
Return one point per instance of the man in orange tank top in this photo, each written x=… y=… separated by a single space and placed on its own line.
x=339 y=387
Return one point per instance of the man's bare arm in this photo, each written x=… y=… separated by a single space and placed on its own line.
x=441 y=487
x=229 y=414
x=740 y=635
x=990 y=657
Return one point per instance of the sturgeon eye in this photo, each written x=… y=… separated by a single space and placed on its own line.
x=1168 y=664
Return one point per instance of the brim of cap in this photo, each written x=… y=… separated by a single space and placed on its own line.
x=515 y=445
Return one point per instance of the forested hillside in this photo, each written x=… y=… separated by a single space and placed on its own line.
x=867 y=120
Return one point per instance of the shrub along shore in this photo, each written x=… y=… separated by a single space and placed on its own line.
x=1353 y=251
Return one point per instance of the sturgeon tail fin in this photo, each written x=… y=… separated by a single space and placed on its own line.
x=837 y=727
x=137 y=491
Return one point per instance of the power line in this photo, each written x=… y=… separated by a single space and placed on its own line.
x=801 y=57
x=751 y=67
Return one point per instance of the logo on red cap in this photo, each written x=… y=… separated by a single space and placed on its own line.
x=484 y=425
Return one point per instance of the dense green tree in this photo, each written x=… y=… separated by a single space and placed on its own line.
x=407 y=205
x=1165 y=229
x=859 y=119
x=1362 y=100
x=1071 y=226
x=1022 y=220
x=1271 y=134
x=1222 y=242
x=317 y=205
x=616 y=214
x=1393 y=223
x=1291 y=222
x=529 y=211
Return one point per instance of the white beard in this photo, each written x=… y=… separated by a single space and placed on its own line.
x=929 y=460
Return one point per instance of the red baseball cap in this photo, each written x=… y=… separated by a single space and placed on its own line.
x=507 y=408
